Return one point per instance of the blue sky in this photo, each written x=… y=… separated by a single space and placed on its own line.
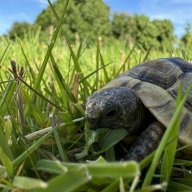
x=178 y=11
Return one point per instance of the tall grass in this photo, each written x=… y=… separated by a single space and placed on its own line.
x=44 y=143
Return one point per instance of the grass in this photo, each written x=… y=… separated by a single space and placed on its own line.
x=44 y=143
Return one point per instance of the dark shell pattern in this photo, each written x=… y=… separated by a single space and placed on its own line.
x=156 y=82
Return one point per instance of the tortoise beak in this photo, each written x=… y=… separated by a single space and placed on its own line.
x=92 y=122
x=92 y=114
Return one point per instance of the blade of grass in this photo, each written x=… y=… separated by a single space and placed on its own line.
x=78 y=68
x=151 y=188
x=6 y=161
x=95 y=71
x=97 y=65
x=170 y=149
x=106 y=77
x=39 y=94
x=178 y=187
x=61 y=82
x=27 y=61
x=133 y=49
x=114 y=186
x=62 y=153
x=5 y=102
x=69 y=181
x=31 y=149
x=52 y=43
x=53 y=40
x=27 y=183
x=6 y=153
x=127 y=58
x=7 y=96
x=41 y=132
x=103 y=138
x=163 y=143
x=72 y=54
x=4 y=53
x=147 y=54
x=95 y=168
x=75 y=85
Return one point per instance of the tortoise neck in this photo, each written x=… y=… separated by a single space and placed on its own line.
x=143 y=118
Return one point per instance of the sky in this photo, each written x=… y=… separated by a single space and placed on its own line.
x=178 y=11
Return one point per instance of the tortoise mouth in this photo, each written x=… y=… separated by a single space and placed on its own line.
x=93 y=124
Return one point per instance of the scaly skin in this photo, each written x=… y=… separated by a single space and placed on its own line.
x=121 y=108
x=115 y=108
x=146 y=142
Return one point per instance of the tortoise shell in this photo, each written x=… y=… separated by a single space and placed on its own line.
x=156 y=83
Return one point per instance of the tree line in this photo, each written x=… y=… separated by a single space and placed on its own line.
x=90 y=19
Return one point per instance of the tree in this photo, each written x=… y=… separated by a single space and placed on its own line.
x=186 y=39
x=165 y=35
x=124 y=26
x=87 y=18
x=147 y=33
x=19 y=29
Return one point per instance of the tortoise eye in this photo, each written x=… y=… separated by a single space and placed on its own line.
x=112 y=113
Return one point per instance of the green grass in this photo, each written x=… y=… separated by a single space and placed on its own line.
x=44 y=143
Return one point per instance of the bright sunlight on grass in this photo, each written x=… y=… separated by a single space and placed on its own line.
x=44 y=142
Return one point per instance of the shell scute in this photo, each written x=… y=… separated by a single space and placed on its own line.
x=156 y=83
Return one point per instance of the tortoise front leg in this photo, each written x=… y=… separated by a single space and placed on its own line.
x=146 y=142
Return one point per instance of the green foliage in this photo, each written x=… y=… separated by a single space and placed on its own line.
x=85 y=19
x=186 y=42
x=187 y=37
x=88 y=19
x=22 y=152
x=56 y=80
x=124 y=26
x=156 y=33
x=20 y=29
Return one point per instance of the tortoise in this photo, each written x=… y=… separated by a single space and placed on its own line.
x=142 y=100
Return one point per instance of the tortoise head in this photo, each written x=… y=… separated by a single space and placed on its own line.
x=113 y=108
